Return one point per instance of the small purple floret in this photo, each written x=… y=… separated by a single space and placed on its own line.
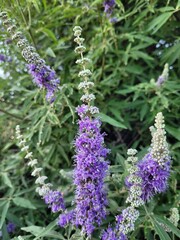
x=109 y=234
x=11 y=227
x=45 y=77
x=2 y=58
x=55 y=201
x=161 y=80
x=66 y=218
x=154 y=177
x=108 y=6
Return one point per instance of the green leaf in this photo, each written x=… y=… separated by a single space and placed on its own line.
x=159 y=230
x=158 y=22
x=35 y=3
x=171 y=54
x=48 y=33
x=4 y=213
x=166 y=9
x=53 y=118
x=50 y=52
x=175 y=132
x=35 y=230
x=48 y=232
x=111 y=121
x=169 y=224
x=23 y=202
x=6 y=179
x=44 y=232
x=5 y=232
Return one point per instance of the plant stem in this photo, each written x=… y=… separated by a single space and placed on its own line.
x=10 y=114
x=28 y=27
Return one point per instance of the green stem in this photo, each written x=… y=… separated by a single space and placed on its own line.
x=10 y=114
x=28 y=27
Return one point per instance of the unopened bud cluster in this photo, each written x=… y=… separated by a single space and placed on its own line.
x=126 y=220
x=28 y=52
x=159 y=147
x=174 y=219
x=43 y=75
x=43 y=187
x=52 y=198
x=85 y=73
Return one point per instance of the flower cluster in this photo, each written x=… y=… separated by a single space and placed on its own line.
x=125 y=221
x=2 y=58
x=43 y=75
x=154 y=168
x=108 y=6
x=164 y=76
x=10 y=228
x=90 y=165
x=147 y=177
x=53 y=199
x=174 y=219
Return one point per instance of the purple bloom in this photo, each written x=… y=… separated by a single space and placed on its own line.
x=109 y=234
x=45 y=77
x=90 y=171
x=55 y=201
x=113 y=20
x=82 y=110
x=8 y=41
x=89 y=175
x=164 y=76
x=161 y=80
x=11 y=227
x=108 y=6
x=2 y=58
x=66 y=218
x=154 y=177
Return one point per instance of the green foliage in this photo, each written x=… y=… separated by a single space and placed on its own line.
x=126 y=62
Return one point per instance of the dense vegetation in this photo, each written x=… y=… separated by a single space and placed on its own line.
x=128 y=49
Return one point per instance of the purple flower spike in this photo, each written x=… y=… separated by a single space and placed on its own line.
x=45 y=77
x=154 y=177
x=55 y=201
x=89 y=174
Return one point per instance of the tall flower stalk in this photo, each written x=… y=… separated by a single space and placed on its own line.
x=90 y=165
x=43 y=75
x=52 y=198
x=146 y=178
x=154 y=168
x=126 y=220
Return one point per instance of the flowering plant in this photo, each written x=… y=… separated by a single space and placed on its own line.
x=82 y=194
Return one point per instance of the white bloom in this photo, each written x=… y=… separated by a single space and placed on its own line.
x=29 y=155
x=32 y=162
x=36 y=171
x=40 y=180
